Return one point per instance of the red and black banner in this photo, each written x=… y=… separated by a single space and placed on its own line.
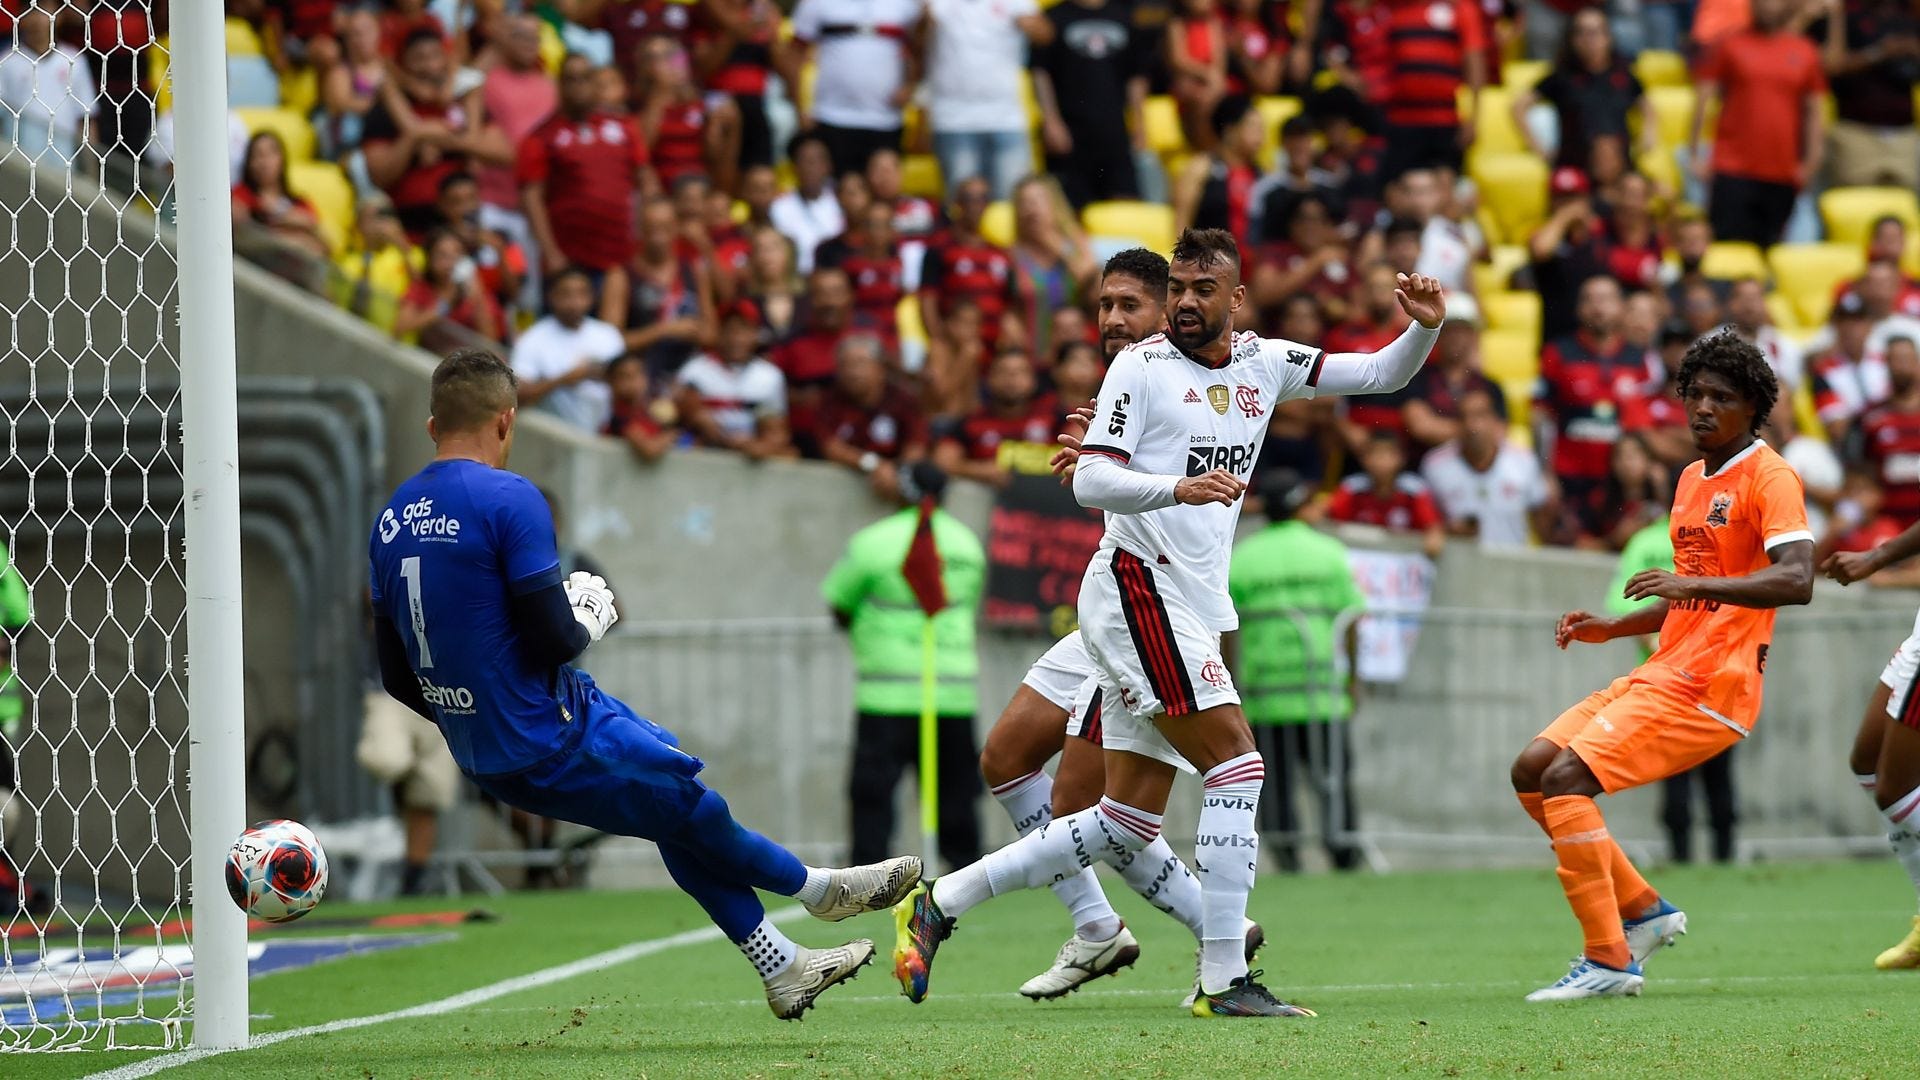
x=1038 y=543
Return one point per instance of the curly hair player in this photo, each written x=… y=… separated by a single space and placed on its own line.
x=1179 y=423
x=476 y=631
x=1741 y=549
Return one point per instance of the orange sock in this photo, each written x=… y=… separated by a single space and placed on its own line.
x=1535 y=804
x=1630 y=890
x=1581 y=843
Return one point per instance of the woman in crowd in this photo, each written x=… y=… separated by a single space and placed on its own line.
x=771 y=282
x=1592 y=89
x=448 y=288
x=1215 y=190
x=350 y=88
x=1636 y=493
x=1312 y=258
x=262 y=198
x=662 y=300
x=1196 y=45
x=1053 y=262
x=1633 y=251
x=686 y=131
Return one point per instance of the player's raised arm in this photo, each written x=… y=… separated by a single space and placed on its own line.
x=1395 y=365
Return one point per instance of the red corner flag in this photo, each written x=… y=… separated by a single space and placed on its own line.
x=922 y=568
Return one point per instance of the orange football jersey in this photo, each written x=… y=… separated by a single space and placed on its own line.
x=1724 y=525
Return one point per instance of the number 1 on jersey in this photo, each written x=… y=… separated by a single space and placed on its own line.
x=416 y=612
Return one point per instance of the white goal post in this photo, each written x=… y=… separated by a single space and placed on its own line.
x=122 y=779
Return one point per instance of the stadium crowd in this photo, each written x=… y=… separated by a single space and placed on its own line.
x=898 y=261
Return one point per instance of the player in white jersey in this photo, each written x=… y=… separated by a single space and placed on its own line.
x=1178 y=426
x=1056 y=710
x=1886 y=752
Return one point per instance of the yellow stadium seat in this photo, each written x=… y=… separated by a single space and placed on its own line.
x=300 y=90
x=1785 y=315
x=1518 y=75
x=242 y=40
x=920 y=175
x=1730 y=260
x=1508 y=356
x=1656 y=67
x=1674 y=106
x=158 y=60
x=1910 y=260
x=1851 y=211
x=906 y=319
x=553 y=49
x=1513 y=312
x=1519 y=432
x=294 y=131
x=1807 y=274
x=1662 y=168
x=1519 y=394
x=996 y=225
x=1274 y=111
x=1514 y=187
x=1494 y=130
x=1147 y=224
x=1493 y=275
x=1162 y=118
x=331 y=193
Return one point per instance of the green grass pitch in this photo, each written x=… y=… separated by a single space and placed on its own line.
x=1413 y=975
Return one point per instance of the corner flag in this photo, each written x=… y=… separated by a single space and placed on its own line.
x=922 y=569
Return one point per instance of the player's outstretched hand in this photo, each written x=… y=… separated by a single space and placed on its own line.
x=1423 y=298
x=1580 y=626
x=1847 y=567
x=1218 y=486
x=592 y=603
x=1662 y=584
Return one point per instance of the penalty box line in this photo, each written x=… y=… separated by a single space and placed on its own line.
x=586 y=965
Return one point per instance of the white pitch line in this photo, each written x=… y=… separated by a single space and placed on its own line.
x=584 y=966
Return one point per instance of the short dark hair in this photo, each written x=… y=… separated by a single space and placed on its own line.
x=692 y=179
x=418 y=35
x=1297 y=125
x=1283 y=490
x=570 y=270
x=1229 y=111
x=471 y=387
x=1207 y=247
x=801 y=139
x=1146 y=267
x=1402 y=226
x=455 y=179
x=1884 y=218
x=624 y=359
x=1732 y=358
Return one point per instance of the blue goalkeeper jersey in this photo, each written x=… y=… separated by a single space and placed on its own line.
x=449 y=552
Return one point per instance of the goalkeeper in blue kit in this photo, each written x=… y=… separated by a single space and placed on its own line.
x=476 y=629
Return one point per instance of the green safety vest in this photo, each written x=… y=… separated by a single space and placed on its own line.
x=16 y=610
x=886 y=622
x=1649 y=549
x=1287 y=676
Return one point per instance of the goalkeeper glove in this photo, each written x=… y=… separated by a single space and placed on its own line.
x=592 y=603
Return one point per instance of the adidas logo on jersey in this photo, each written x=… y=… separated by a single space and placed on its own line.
x=1193 y=396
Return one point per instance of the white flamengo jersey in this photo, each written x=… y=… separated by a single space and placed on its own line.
x=1162 y=412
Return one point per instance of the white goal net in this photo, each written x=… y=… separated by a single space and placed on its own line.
x=95 y=852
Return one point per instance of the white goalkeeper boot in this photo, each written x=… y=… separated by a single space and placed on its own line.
x=794 y=990
x=874 y=887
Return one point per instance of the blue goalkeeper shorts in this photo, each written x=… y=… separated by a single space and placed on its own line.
x=617 y=772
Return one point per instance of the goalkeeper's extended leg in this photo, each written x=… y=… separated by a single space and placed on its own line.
x=794 y=975
x=738 y=854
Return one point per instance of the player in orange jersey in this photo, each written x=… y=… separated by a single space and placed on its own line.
x=1741 y=548
x=1886 y=752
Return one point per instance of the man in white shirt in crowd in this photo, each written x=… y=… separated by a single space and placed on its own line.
x=46 y=93
x=561 y=360
x=976 y=52
x=1487 y=487
x=1445 y=254
x=1879 y=290
x=866 y=72
x=733 y=398
x=809 y=213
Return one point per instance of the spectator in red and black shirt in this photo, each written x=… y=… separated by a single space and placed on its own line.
x=851 y=194
x=1437 y=46
x=914 y=218
x=688 y=132
x=1636 y=493
x=879 y=281
x=1013 y=412
x=1888 y=244
x=1586 y=380
x=808 y=359
x=1215 y=190
x=1388 y=496
x=1353 y=42
x=733 y=43
x=866 y=422
x=630 y=23
x=420 y=133
x=1633 y=251
x=1306 y=255
x=580 y=172
x=649 y=425
x=1432 y=409
x=961 y=264
x=1659 y=416
x=1890 y=437
x=1376 y=321
x=1567 y=249
x=1258 y=51
x=729 y=243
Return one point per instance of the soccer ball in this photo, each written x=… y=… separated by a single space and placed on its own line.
x=276 y=871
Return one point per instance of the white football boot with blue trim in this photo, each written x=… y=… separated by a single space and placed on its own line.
x=1590 y=980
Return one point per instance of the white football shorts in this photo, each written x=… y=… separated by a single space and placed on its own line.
x=1059 y=673
x=1899 y=675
